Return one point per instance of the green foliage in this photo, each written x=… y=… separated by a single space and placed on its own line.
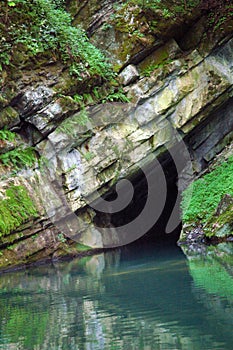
x=98 y=95
x=11 y=3
x=115 y=96
x=201 y=198
x=220 y=16
x=78 y=99
x=151 y=68
x=7 y=135
x=44 y=25
x=15 y=208
x=19 y=157
x=147 y=4
x=168 y=9
x=106 y=26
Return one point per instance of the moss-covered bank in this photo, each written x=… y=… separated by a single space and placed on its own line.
x=208 y=204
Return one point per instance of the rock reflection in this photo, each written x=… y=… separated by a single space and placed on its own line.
x=138 y=299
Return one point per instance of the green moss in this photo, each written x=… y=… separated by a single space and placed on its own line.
x=8 y=116
x=159 y=56
x=18 y=157
x=88 y=156
x=200 y=199
x=12 y=237
x=15 y=208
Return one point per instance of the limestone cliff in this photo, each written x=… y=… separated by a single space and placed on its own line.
x=172 y=94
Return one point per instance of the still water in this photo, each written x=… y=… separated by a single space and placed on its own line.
x=132 y=298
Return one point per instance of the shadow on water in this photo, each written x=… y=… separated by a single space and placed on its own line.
x=136 y=297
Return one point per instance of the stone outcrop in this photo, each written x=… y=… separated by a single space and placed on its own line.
x=184 y=96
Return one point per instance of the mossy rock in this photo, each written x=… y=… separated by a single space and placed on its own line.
x=9 y=117
x=16 y=207
x=82 y=12
x=221 y=223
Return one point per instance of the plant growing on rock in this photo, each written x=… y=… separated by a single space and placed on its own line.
x=16 y=207
x=7 y=135
x=201 y=198
x=19 y=157
x=40 y=26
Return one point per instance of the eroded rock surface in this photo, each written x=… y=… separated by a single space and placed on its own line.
x=185 y=95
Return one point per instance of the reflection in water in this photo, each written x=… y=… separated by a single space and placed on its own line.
x=125 y=299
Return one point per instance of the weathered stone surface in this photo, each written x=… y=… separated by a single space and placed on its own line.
x=87 y=152
x=122 y=48
x=166 y=52
x=46 y=119
x=128 y=75
x=33 y=100
x=93 y=150
x=90 y=14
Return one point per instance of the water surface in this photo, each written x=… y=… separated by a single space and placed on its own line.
x=130 y=298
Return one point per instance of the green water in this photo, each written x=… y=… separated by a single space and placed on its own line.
x=131 y=298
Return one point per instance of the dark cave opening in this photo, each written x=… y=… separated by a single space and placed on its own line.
x=155 y=232
x=199 y=148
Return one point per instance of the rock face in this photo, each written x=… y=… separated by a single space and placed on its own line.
x=129 y=75
x=184 y=96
